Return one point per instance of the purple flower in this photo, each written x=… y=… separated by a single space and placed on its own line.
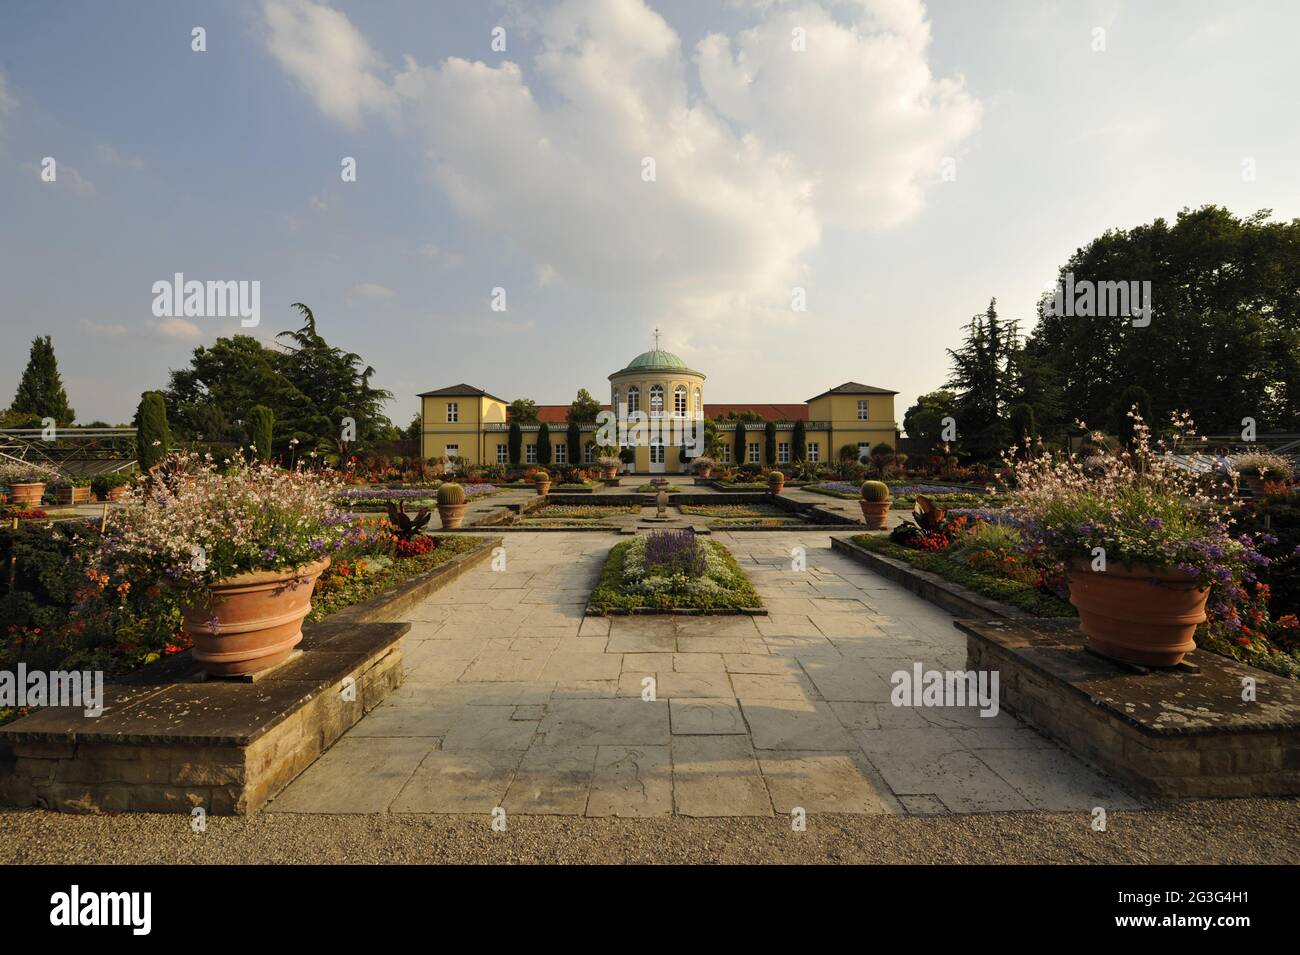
x=1154 y=523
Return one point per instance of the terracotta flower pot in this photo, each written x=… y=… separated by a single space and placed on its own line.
x=874 y=513
x=1140 y=615
x=706 y=472
x=253 y=620
x=451 y=514
x=611 y=473
x=776 y=483
x=26 y=495
x=543 y=487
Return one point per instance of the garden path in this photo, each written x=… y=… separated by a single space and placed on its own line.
x=514 y=699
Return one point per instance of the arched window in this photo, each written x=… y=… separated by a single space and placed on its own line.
x=699 y=402
x=679 y=401
x=633 y=399
x=656 y=401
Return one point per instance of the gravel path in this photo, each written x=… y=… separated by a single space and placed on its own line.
x=1226 y=832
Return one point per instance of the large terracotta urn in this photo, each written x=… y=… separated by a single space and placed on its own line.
x=875 y=514
x=26 y=495
x=253 y=621
x=451 y=515
x=1141 y=615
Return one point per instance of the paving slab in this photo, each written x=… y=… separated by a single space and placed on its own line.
x=718 y=776
x=632 y=781
x=706 y=717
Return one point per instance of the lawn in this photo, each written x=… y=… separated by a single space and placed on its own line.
x=671 y=570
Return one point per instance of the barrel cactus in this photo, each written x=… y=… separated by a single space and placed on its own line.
x=450 y=494
x=875 y=491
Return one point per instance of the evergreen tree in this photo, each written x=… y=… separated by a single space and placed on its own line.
x=740 y=443
x=1020 y=417
x=799 y=443
x=153 y=438
x=980 y=378
x=1121 y=421
x=584 y=408
x=260 y=426
x=515 y=444
x=769 y=444
x=573 y=439
x=544 y=445
x=40 y=390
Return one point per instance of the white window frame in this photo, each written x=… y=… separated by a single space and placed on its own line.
x=503 y=454
x=814 y=452
x=656 y=401
x=451 y=452
x=453 y=412
x=680 y=401
x=783 y=452
x=699 y=401
x=560 y=453
x=589 y=453
x=530 y=453
x=864 y=410
x=864 y=451
x=753 y=452
x=726 y=454
x=633 y=399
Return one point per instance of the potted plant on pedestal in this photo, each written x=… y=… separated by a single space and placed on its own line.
x=26 y=481
x=776 y=481
x=242 y=550
x=609 y=466
x=111 y=486
x=875 y=504
x=1262 y=467
x=542 y=480
x=451 y=505
x=1143 y=545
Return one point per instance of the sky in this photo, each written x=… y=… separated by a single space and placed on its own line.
x=893 y=164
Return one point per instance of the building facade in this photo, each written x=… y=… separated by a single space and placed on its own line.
x=470 y=425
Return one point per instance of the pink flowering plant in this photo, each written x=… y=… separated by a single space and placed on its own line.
x=1144 y=506
x=200 y=524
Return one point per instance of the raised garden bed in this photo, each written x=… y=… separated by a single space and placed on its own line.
x=680 y=573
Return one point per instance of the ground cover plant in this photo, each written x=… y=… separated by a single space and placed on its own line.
x=671 y=569
x=557 y=514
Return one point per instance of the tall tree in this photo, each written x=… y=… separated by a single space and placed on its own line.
x=799 y=443
x=740 y=448
x=923 y=421
x=544 y=445
x=769 y=444
x=573 y=441
x=40 y=390
x=153 y=437
x=980 y=378
x=584 y=408
x=523 y=410
x=515 y=444
x=260 y=426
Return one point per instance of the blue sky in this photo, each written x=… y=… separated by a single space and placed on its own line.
x=480 y=169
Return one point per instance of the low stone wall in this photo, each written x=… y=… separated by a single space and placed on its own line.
x=1179 y=733
x=170 y=741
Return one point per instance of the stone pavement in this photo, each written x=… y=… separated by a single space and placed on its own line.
x=514 y=699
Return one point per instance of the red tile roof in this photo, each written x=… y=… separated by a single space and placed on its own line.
x=797 y=412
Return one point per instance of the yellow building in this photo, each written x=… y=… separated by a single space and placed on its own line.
x=663 y=398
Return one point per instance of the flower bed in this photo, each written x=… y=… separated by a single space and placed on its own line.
x=732 y=510
x=671 y=570
x=553 y=514
x=374 y=569
x=987 y=578
x=378 y=498
x=656 y=488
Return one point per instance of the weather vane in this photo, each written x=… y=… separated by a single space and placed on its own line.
x=656 y=339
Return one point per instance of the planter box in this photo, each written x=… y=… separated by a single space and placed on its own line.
x=72 y=495
x=169 y=741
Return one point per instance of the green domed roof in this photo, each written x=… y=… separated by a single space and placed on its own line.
x=656 y=360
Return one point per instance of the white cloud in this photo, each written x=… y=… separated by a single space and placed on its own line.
x=177 y=328
x=859 y=107
x=65 y=176
x=781 y=143
x=319 y=48
x=111 y=155
x=7 y=103
x=109 y=330
x=370 y=291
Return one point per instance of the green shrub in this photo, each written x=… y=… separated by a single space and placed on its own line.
x=544 y=444
x=260 y=424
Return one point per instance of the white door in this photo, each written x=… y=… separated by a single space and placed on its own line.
x=657 y=456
